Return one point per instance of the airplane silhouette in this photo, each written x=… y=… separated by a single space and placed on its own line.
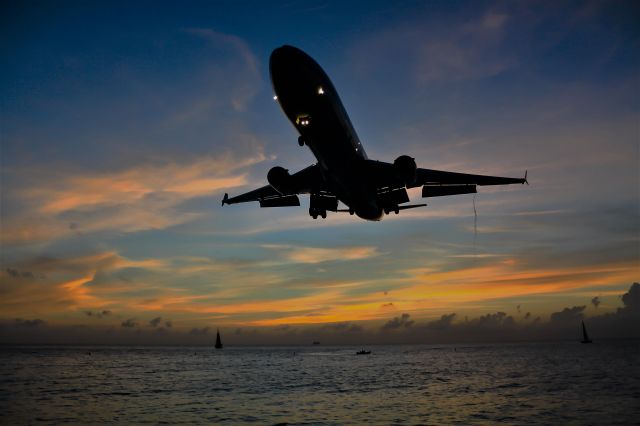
x=344 y=173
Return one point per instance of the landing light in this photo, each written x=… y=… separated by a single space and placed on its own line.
x=275 y=97
x=320 y=91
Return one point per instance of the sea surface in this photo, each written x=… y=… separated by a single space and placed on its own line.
x=534 y=383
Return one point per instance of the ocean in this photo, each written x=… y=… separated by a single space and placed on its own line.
x=533 y=383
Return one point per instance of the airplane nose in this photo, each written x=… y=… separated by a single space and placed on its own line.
x=368 y=212
x=283 y=56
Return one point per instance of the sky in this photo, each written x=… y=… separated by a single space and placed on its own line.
x=123 y=124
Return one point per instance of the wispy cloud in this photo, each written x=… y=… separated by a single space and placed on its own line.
x=242 y=93
x=311 y=255
x=471 y=49
x=143 y=197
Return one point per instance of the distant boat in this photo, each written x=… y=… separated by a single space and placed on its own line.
x=363 y=352
x=218 y=341
x=585 y=336
x=315 y=342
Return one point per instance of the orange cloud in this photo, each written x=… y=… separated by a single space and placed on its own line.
x=140 y=198
x=311 y=255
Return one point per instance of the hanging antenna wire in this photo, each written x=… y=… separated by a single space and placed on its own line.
x=475 y=225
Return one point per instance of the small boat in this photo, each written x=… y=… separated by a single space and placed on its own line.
x=218 y=341
x=585 y=336
x=363 y=352
x=315 y=342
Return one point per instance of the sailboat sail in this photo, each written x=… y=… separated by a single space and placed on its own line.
x=585 y=336
x=218 y=341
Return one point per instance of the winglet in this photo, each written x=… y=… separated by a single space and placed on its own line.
x=525 y=180
x=225 y=199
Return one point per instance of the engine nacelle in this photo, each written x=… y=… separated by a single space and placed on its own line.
x=280 y=179
x=405 y=168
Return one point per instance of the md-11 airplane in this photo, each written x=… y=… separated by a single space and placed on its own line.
x=343 y=172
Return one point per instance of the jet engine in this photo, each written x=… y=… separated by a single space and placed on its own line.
x=280 y=179
x=405 y=168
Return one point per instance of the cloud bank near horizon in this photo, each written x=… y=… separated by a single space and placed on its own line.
x=624 y=322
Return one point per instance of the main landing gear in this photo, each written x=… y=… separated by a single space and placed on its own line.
x=300 y=141
x=320 y=204
x=394 y=209
x=315 y=212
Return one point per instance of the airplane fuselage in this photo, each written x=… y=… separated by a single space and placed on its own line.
x=310 y=101
x=343 y=172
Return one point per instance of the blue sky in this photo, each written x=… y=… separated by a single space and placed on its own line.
x=123 y=124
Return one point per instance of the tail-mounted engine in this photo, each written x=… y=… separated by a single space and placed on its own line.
x=405 y=169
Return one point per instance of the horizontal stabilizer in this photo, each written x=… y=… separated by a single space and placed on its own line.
x=443 y=190
x=286 y=201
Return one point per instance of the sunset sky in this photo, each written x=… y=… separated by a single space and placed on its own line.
x=123 y=124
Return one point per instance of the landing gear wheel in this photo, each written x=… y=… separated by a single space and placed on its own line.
x=323 y=213
x=300 y=141
x=313 y=213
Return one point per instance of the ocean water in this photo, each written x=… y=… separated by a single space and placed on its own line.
x=543 y=383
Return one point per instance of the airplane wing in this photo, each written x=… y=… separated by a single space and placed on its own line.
x=435 y=183
x=437 y=177
x=303 y=182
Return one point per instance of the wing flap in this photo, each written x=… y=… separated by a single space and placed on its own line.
x=444 y=190
x=285 y=201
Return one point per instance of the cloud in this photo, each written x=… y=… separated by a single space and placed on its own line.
x=443 y=323
x=19 y=322
x=342 y=327
x=130 y=323
x=491 y=327
x=143 y=197
x=247 y=64
x=631 y=300
x=596 y=301
x=462 y=281
x=199 y=331
x=499 y=319
x=402 y=321
x=19 y=274
x=155 y=322
x=313 y=255
x=568 y=315
x=98 y=314
x=470 y=48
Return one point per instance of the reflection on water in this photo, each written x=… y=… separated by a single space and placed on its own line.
x=524 y=383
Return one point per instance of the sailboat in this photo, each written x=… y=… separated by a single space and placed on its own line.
x=218 y=341
x=585 y=336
